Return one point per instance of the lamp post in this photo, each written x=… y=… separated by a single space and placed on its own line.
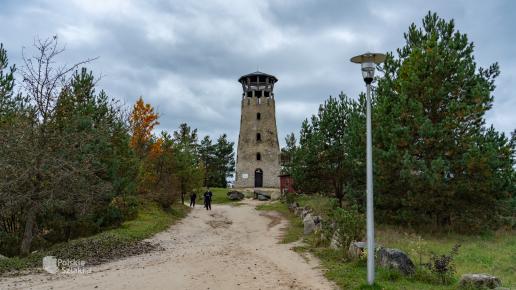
x=368 y=61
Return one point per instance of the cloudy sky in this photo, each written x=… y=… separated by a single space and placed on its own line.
x=185 y=57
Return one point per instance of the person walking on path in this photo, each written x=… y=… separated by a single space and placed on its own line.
x=193 y=197
x=207 y=199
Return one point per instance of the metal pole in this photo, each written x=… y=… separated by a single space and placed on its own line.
x=370 y=214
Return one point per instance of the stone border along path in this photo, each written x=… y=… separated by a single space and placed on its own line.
x=226 y=248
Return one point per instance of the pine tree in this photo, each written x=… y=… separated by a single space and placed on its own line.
x=189 y=169
x=331 y=145
x=224 y=159
x=7 y=102
x=435 y=161
x=207 y=157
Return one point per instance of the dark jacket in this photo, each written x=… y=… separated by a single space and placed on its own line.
x=207 y=196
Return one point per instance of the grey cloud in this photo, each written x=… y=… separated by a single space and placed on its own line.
x=185 y=57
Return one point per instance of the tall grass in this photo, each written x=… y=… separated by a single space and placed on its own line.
x=494 y=254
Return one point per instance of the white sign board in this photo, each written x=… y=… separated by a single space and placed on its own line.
x=245 y=175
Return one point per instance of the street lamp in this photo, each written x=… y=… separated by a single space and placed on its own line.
x=369 y=61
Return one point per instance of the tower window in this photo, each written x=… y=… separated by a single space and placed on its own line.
x=258 y=137
x=258 y=116
x=258 y=156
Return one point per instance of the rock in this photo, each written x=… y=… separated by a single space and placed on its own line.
x=308 y=224
x=479 y=281
x=305 y=212
x=262 y=197
x=293 y=206
x=257 y=193
x=298 y=211
x=396 y=259
x=248 y=193
x=275 y=195
x=235 y=195
x=335 y=243
x=317 y=220
x=356 y=249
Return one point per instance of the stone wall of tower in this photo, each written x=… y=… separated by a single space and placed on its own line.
x=248 y=146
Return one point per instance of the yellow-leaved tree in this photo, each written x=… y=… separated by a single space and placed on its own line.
x=142 y=120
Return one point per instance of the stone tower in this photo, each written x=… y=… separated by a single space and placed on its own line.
x=258 y=148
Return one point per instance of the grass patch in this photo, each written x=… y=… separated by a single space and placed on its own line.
x=102 y=247
x=294 y=231
x=353 y=275
x=151 y=220
x=493 y=254
x=220 y=196
x=321 y=205
x=496 y=256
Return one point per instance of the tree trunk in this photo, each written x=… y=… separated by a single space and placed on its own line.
x=339 y=197
x=27 y=235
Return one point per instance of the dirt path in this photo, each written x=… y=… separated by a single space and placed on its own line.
x=227 y=248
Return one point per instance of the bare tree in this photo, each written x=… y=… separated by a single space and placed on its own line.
x=42 y=78
x=39 y=163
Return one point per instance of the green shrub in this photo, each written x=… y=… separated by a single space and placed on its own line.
x=426 y=276
x=289 y=198
x=110 y=217
x=62 y=228
x=127 y=205
x=83 y=227
x=9 y=244
x=348 y=226
x=321 y=205
x=443 y=266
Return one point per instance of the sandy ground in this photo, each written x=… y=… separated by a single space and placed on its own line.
x=226 y=248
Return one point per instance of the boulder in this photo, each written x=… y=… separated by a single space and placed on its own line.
x=318 y=224
x=395 y=259
x=309 y=225
x=305 y=212
x=299 y=212
x=355 y=249
x=275 y=195
x=479 y=281
x=293 y=206
x=335 y=243
x=235 y=195
x=258 y=193
x=262 y=197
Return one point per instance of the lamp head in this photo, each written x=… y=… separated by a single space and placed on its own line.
x=368 y=61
